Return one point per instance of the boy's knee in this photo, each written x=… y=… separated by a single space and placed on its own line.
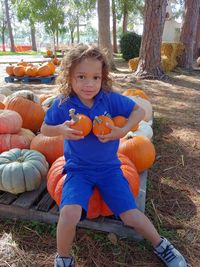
x=70 y=214
x=130 y=217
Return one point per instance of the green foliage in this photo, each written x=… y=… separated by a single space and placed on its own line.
x=130 y=45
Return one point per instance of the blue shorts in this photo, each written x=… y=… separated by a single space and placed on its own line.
x=113 y=187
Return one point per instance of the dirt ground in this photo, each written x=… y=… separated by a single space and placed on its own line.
x=173 y=195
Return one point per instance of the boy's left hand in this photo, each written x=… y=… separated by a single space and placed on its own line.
x=115 y=134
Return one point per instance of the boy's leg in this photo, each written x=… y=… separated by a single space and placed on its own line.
x=162 y=247
x=141 y=224
x=69 y=217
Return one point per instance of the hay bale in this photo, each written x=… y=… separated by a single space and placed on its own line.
x=169 y=55
x=133 y=63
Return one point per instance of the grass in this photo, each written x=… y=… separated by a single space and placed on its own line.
x=30 y=52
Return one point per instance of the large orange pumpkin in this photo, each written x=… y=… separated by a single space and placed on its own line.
x=97 y=206
x=139 y=150
x=2 y=106
x=22 y=140
x=10 y=122
x=32 y=113
x=51 y=147
x=81 y=122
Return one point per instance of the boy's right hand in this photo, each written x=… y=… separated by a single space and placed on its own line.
x=69 y=133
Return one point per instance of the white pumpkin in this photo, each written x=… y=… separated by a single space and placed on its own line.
x=198 y=61
x=145 y=104
x=24 y=93
x=144 y=129
x=2 y=97
x=5 y=91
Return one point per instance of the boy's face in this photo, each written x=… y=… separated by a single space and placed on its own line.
x=86 y=80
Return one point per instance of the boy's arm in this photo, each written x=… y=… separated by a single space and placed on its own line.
x=134 y=118
x=61 y=129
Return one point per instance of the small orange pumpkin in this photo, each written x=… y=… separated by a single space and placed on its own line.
x=120 y=121
x=19 y=70
x=56 y=61
x=22 y=63
x=51 y=66
x=31 y=71
x=99 y=125
x=9 y=70
x=49 y=52
x=44 y=71
x=43 y=97
x=81 y=122
x=135 y=92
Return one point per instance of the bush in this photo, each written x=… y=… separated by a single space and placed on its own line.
x=130 y=45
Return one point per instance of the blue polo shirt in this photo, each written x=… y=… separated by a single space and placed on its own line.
x=89 y=153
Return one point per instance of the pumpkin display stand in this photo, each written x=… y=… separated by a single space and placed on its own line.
x=37 y=205
x=28 y=79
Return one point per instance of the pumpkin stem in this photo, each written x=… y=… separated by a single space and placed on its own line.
x=73 y=115
x=107 y=114
x=98 y=120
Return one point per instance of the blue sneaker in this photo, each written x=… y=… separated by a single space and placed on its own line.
x=64 y=262
x=169 y=254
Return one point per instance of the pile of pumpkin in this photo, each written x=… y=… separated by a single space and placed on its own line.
x=24 y=68
x=26 y=154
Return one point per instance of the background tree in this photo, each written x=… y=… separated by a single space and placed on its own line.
x=114 y=27
x=2 y=25
x=149 y=66
x=25 y=11
x=103 y=8
x=188 y=32
x=12 y=44
x=197 y=39
x=127 y=8
x=76 y=15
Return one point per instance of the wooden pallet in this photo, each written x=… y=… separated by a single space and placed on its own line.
x=27 y=79
x=37 y=205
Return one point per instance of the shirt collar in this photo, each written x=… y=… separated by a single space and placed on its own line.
x=76 y=101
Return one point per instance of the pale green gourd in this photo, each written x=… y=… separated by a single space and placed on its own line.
x=22 y=170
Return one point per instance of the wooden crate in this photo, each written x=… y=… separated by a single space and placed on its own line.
x=27 y=79
x=38 y=206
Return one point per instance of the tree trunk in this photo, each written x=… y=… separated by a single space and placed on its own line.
x=103 y=7
x=149 y=66
x=197 y=39
x=115 y=50
x=57 y=38
x=12 y=44
x=125 y=17
x=188 y=32
x=3 y=36
x=33 y=39
x=78 y=31
x=72 y=36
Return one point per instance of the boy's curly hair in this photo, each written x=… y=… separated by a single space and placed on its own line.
x=73 y=57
